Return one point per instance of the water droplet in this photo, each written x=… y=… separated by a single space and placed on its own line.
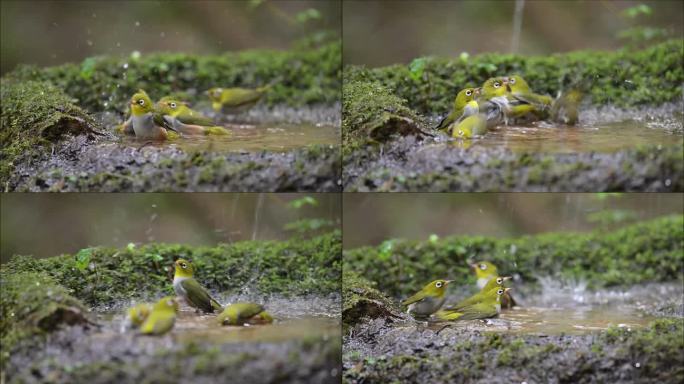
x=125 y=66
x=154 y=205
x=668 y=182
x=637 y=365
x=12 y=314
x=90 y=43
x=162 y=35
x=118 y=44
x=137 y=23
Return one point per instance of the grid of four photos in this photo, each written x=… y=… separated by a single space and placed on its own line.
x=342 y=191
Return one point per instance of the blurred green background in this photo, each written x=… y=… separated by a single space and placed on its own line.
x=54 y=32
x=47 y=225
x=377 y=33
x=371 y=218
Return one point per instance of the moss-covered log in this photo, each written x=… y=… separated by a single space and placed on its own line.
x=33 y=115
x=624 y=78
x=651 y=251
x=649 y=355
x=372 y=113
x=102 y=276
x=363 y=301
x=33 y=304
x=299 y=77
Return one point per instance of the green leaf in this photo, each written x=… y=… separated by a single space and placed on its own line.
x=83 y=258
x=308 y=15
x=417 y=68
x=88 y=68
x=306 y=200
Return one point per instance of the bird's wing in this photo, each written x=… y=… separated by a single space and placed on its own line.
x=445 y=122
x=249 y=310
x=195 y=118
x=238 y=96
x=415 y=298
x=478 y=311
x=197 y=295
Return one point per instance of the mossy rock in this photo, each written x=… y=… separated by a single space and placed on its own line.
x=33 y=304
x=363 y=301
x=103 y=276
x=33 y=115
x=651 y=251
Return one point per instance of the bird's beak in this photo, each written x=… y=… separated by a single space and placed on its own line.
x=507 y=289
x=473 y=266
x=507 y=278
x=446 y=282
x=477 y=91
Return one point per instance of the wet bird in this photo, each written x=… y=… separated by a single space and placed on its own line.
x=489 y=305
x=484 y=271
x=185 y=286
x=495 y=282
x=428 y=300
x=524 y=103
x=145 y=121
x=244 y=313
x=185 y=120
x=464 y=106
x=162 y=318
x=137 y=315
x=493 y=103
x=235 y=99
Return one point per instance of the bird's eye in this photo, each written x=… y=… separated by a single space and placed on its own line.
x=141 y=102
x=500 y=291
x=469 y=92
x=183 y=265
x=483 y=266
x=499 y=281
x=511 y=80
x=173 y=105
x=497 y=84
x=438 y=284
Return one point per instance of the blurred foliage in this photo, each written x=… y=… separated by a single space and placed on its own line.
x=307 y=226
x=639 y=35
x=651 y=251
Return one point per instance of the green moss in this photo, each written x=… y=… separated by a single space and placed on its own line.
x=372 y=114
x=611 y=357
x=648 y=251
x=294 y=267
x=625 y=78
x=33 y=304
x=362 y=300
x=300 y=76
x=33 y=115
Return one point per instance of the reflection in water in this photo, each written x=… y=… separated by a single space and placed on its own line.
x=606 y=137
x=254 y=138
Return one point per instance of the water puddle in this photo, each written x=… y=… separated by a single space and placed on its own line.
x=602 y=137
x=254 y=138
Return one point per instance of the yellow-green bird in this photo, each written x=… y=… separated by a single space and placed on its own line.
x=138 y=314
x=485 y=271
x=471 y=126
x=244 y=313
x=145 y=121
x=185 y=120
x=428 y=300
x=464 y=105
x=488 y=306
x=235 y=99
x=162 y=318
x=493 y=102
x=565 y=109
x=524 y=103
x=495 y=282
x=185 y=286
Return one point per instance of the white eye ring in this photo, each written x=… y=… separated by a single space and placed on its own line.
x=500 y=292
x=141 y=102
x=512 y=81
x=499 y=281
x=483 y=266
x=172 y=105
x=438 y=284
x=469 y=92
x=183 y=265
x=496 y=84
